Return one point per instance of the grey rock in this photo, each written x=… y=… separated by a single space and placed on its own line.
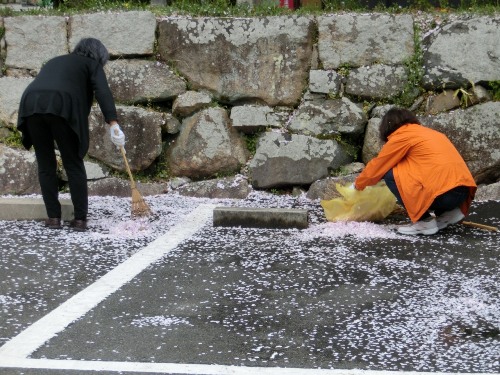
x=448 y=64
x=241 y=60
x=376 y=81
x=291 y=160
x=11 y=90
x=18 y=171
x=130 y=33
x=230 y=188
x=121 y=188
x=479 y=95
x=488 y=175
x=207 y=145
x=142 y=130
x=177 y=182
x=94 y=171
x=142 y=81
x=442 y=102
x=364 y=39
x=249 y=119
x=324 y=82
x=372 y=143
x=327 y=117
x=172 y=125
x=488 y=192
x=325 y=189
x=24 y=35
x=190 y=102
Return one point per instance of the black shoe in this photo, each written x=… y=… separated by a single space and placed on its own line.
x=53 y=223
x=78 y=225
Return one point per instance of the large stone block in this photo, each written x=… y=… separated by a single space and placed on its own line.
x=141 y=81
x=33 y=40
x=126 y=33
x=18 y=171
x=284 y=160
x=244 y=60
x=364 y=39
x=207 y=145
x=462 y=52
x=11 y=90
x=142 y=130
x=376 y=81
x=328 y=117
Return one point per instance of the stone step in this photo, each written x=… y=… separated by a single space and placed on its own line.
x=282 y=218
x=31 y=209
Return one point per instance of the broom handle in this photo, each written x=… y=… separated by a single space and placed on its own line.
x=480 y=226
x=132 y=182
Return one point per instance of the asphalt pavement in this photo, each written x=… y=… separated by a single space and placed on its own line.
x=175 y=294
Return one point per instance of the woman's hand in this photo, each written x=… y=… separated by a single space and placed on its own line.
x=117 y=136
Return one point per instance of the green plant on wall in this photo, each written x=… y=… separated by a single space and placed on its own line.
x=414 y=72
x=45 y=3
x=251 y=141
x=495 y=89
x=13 y=139
x=344 y=70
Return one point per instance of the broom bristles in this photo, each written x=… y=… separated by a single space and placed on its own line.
x=139 y=206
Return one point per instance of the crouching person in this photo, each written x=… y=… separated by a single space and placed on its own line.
x=423 y=170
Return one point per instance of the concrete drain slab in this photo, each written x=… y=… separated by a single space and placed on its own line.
x=31 y=209
x=281 y=218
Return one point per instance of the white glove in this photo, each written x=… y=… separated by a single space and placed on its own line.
x=352 y=186
x=117 y=136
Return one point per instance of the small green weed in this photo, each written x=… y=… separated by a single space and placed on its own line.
x=495 y=90
x=14 y=139
x=414 y=71
x=45 y=3
x=344 y=70
x=6 y=12
x=464 y=96
x=251 y=141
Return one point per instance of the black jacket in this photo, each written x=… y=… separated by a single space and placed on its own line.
x=65 y=87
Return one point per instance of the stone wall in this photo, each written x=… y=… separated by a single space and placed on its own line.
x=268 y=102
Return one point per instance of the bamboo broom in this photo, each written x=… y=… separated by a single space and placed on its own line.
x=480 y=226
x=139 y=206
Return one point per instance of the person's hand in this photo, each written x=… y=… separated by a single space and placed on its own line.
x=352 y=186
x=117 y=136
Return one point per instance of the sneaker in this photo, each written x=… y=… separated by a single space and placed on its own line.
x=78 y=225
x=427 y=227
x=53 y=223
x=449 y=218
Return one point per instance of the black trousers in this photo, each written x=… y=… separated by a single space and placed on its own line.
x=442 y=203
x=44 y=130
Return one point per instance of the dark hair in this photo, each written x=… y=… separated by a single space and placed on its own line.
x=394 y=119
x=93 y=48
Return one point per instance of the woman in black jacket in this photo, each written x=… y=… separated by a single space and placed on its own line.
x=55 y=107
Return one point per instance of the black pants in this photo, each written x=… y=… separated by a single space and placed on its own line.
x=44 y=130
x=444 y=202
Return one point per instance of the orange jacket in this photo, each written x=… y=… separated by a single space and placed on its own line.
x=425 y=163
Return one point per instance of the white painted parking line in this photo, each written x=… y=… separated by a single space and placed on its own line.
x=194 y=369
x=166 y=368
x=22 y=345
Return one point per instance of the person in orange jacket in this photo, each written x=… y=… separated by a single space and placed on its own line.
x=423 y=170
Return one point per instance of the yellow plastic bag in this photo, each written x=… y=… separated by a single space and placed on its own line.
x=374 y=203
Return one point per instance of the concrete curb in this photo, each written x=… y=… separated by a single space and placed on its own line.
x=278 y=218
x=31 y=209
